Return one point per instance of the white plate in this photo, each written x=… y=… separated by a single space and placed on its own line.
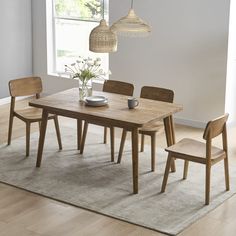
x=95 y=99
x=96 y=104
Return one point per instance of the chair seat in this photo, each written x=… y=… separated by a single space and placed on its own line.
x=195 y=149
x=152 y=127
x=31 y=114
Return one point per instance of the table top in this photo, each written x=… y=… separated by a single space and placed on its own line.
x=116 y=112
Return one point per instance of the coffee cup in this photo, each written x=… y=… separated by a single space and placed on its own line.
x=132 y=102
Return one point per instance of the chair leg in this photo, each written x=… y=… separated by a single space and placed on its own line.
x=226 y=166
x=167 y=170
x=58 y=132
x=153 y=151
x=173 y=168
x=105 y=135
x=10 y=129
x=112 y=137
x=186 y=164
x=39 y=125
x=142 y=143
x=84 y=137
x=27 y=138
x=208 y=180
x=122 y=144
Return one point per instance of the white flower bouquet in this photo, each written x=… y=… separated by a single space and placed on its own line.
x=86 y=69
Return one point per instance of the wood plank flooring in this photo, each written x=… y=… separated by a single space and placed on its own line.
x=27 y=214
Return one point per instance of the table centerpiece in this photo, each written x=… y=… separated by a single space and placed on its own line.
x=85 y=70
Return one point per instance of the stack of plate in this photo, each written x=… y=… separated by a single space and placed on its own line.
x=96 y=101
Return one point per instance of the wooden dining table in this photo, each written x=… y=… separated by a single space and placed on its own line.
x=115 y=114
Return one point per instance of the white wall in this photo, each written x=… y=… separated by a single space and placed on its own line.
x=187 y=52
x=15 y=42
x=231 y=72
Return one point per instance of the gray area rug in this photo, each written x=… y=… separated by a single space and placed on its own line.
x=91 y=181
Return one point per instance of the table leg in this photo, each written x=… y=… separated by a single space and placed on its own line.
x=112 y=141
x=172 y=129
x=173 y=168
x=170 y=136
x=79 y=133
x=42 y=137
x=135 y=159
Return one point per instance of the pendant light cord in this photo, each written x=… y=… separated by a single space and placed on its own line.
x=103 y=12
x=132 y=4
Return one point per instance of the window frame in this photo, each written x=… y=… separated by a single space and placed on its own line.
x=54 y=18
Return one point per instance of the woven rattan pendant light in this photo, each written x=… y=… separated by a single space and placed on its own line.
x=102 y=39
x=131 y=25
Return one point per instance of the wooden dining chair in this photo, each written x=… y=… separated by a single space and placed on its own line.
x=110 y=86
x=203 y=153
x=27 y=87
x=151 y=129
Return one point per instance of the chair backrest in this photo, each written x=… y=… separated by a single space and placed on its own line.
x=159 y=94
x=118 y=87
x=215 y=127
x=25 y=86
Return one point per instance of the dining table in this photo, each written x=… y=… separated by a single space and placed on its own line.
x=114 y=114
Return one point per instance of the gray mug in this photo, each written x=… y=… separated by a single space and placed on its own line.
x=132 y=102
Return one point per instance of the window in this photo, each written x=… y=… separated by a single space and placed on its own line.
x=73 y=21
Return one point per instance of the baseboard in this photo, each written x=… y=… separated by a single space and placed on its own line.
x=7 y=100
x=4 y=101
x=199 y=124
x=192 y=123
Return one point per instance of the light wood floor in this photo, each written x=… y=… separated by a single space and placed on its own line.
x=27 y=214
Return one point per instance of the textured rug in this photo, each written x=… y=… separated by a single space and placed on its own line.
x=91 y=181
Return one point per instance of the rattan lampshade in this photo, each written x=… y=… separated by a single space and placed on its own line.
x=102 y=39
x=131 y=25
